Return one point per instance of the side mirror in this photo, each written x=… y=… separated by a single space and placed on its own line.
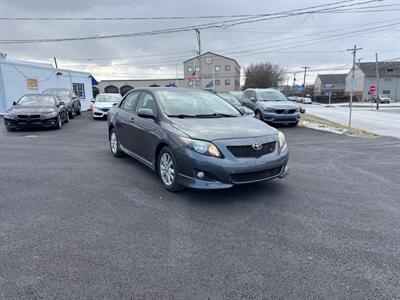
x=146 y=113
x=14 y=103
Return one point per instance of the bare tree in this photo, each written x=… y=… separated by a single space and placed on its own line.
x=264 y=75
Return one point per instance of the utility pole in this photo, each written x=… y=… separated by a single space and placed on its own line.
x=55 y=62
x=354 y=52
x=377 y=81
x=305 y=74
x=199 y=51
x=294 y=83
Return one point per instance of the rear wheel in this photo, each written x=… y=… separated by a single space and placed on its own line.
x=114 y=144
x=167 y=170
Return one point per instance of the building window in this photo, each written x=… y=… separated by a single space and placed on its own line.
x=197 y=69
x=79 y=89
x=190 y=83
x=227 y=82
x=190 y=69
x=227 y=67
x=217 y=68
x=197 y=82
x=388 y=79
x=386 y=92
x=217 y=82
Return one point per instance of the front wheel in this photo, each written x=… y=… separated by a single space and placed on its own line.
x=114 y=144
x=59 y=122
x=258 y=115
x=167 y=170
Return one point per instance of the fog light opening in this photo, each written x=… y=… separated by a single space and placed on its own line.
x=200 y=175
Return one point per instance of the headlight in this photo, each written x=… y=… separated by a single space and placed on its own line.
x=9 y=116
x=50 y=115
x=281 y=142
x=269 y=109
x=202 y=147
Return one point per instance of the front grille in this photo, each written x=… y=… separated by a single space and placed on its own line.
x=285 y=111
x=256 y=176
x=248 y=151
x=104 y=109
x=29 y=117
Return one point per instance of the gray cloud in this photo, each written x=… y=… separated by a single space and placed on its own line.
x=285 y=41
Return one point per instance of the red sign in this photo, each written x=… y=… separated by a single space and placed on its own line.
x=372 y=88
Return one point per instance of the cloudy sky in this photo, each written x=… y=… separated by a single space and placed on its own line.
x=317 y=40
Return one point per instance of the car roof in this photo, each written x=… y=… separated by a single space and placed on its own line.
x=42 y=95
x=58 y=89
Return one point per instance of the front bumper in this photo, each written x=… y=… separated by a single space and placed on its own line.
x=221 y=173
x=273 y=117
x=100 y=112
x=15 y=124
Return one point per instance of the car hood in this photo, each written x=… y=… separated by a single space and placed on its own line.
x=30 y=109
x=103 y=104
x=222 y=128
x=278 y=104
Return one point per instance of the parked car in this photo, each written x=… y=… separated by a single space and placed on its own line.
x=195 y=139
x=292 y=98
x=384 y=99
x=306 y=100
x=236 y=103
x=36 y=110
x=271 y=106
x=103 y=103
x=69 y=98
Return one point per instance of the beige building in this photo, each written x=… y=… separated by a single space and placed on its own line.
x=213 y=72
x=123 y=86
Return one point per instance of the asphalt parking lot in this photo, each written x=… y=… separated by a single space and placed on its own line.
x=75 y=222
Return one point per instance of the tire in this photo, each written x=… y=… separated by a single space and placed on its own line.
x=59 y=122
x=293 y=124
x=67 y=117
x=114 y=144
x=258 y=115
x=167 y=170
x=79 y=112
x=72 y=114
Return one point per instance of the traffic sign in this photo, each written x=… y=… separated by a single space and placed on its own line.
x=372 y=88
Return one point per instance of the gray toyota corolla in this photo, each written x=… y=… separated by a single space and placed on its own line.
x=195 y=139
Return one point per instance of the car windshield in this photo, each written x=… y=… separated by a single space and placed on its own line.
x=60 y=93
x=230 y=98
x=270 y=95
x=36 y=100
x=108 y=98
x=197 y=104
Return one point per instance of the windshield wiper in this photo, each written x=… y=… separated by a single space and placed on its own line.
x=215 y=115
x=181 y=116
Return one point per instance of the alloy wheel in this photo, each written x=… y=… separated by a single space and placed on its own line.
x=167 y=169
x=114 y=143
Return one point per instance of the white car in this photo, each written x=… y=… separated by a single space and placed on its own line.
x=384 y=99
x=103 y=103
x=306 y=100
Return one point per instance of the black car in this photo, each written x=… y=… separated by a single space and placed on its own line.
x=36 y=110
x=236 y=103
x=69 y=98
x=195 y=139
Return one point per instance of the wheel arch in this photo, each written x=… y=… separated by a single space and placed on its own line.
x=160 y=145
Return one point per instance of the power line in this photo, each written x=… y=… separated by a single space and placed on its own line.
x=223 y=24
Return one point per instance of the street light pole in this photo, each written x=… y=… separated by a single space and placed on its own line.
x=305 y=74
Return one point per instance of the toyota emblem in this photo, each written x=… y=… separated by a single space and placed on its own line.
x=257 y=146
